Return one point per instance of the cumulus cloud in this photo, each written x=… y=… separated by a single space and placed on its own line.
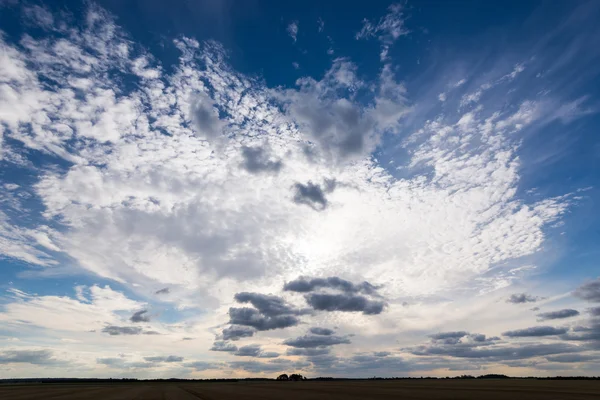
x=266 y=304
x=559 y=314
x=206 y=118
x=344 y=302
x=321 y=331
x=255 y=350
x=140 y=316
x=221 y=345
x=304 y=284
x=253 y=318
x=114 y=330
x=536 y=331
x=236 y=332
x=308 y=342
x=520 y=298
x=589 y=291
x=257 y=160
x=312 y=195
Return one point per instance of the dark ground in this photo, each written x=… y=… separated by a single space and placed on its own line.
x=400 y=389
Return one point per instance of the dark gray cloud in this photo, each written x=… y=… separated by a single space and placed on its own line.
x=309 y=342
x=307 y=351
x=560 y=314
x=520 y=298
x=585 y=333
x=252 y=317
x=251 y=350
x=167 y=359
x=140 y=316
x=257 y=160
x=322 y=331
x=448 y=335
x=202 y=365
x=462 y=338
x=266 y=304
x=589 y=291
x=221 y=345
x=305 y=285
x=163 y=291
x=268 y=354
x=495 y=353
x=312 y=194
x=536 y=331
x=344 y=302
x=236 y=332
x=122 y=330
x=38 y=357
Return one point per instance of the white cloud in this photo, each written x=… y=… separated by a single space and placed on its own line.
x=292 y=30
x=155 y=193
x=389 y=28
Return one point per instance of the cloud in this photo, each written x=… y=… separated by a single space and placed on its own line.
x=140 y=316
x=202 y=365
x=344 y=302
x=309 y=342
x=206 y=118
x=536 y=331
x=254 y=350
x=272 y=366
x=120 y=363
x=251 y=350
x=167 y=359
x=572 y=358
x=163 y=291
x=223 y=346
x=304 y=285
x=387 y=30
x=448 y=335
x=589 y=291
x=114 y=330
x=268 y=305
x=566 y=313
x=251 y=317
x=594 y=311
x=38 y=357
x=312 y=194
x=307 y=351
x=522 y=298
x=237 y=332
x=258 y=160
x=322 y=331
x=292 y=30
x=496 y=353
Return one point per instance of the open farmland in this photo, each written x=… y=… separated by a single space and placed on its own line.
x=399 y=389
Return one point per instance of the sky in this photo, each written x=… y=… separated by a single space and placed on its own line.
x=219 y=189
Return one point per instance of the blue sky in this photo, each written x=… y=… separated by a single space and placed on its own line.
x=218 y=189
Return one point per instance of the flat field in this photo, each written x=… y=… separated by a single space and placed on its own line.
x=400 y=389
